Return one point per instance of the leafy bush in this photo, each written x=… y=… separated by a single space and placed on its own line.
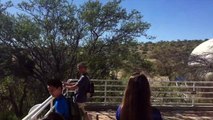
x=7 y=116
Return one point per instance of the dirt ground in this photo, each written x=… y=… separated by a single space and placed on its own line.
x=173 y=115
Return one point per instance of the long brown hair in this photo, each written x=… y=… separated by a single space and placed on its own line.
x=136 y=102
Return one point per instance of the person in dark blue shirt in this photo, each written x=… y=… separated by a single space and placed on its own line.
x=81 y=87
x=155 y=115
x=60 y=102
x=136 y=104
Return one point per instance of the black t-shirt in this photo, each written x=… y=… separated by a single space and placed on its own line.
x=83 y=87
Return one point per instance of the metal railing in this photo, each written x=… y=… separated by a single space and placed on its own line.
x=164 y=93
x=37 y=109
x=183 y=93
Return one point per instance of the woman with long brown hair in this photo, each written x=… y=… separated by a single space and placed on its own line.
x=136 y=103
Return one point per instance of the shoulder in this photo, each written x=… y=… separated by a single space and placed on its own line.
x=85 y=76
x=119 y=108
x=62 y=100
x=156 y=114
x=155 y=110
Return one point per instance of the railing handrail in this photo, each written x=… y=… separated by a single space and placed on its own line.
x=33 y=114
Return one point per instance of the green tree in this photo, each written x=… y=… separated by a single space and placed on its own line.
x=50 y=37
x=16 y=69
x=58 y=34
x=111 y=36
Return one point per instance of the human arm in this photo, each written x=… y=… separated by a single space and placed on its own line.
x=80 y=84
x=71 y=86
x=68 y=83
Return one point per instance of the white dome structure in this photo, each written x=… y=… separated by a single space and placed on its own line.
x=208 y=76
x=202 y=54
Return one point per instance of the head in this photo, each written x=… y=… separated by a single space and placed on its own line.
x=54 y=87
x=82 y=67
x=136 y=102
x=53 y=116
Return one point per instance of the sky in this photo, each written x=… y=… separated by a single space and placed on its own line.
x=169 y=19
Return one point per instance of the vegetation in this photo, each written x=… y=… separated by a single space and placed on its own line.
x=48 y=38
x=169 y=58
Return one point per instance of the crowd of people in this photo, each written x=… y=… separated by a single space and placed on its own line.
x=136 y=103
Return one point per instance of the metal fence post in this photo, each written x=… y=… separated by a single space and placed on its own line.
x=105 y=92
x=193 y=94
x=97 y=116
